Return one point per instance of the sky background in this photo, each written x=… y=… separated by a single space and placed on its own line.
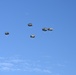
x=49 y=53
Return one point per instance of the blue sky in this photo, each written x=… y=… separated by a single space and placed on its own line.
x=50 y=53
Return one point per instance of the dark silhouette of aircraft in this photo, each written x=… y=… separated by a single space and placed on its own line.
x=44 y=29
x=50 y=29
x=32 y=36
x=30 y=24
x=6 y=33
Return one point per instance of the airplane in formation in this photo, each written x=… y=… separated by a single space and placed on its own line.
x=32 y=35
x=6 y=33
x=47 y=29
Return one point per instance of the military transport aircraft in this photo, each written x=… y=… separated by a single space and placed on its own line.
x=6 y=33
x=32 y=35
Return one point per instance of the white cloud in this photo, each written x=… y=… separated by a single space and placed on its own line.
x=47 y=71
x=6 y=64
x=61 y=65
x=5 y=68
x=16 y=61
x=41 y=70
x=37 y=69
x=17 y=64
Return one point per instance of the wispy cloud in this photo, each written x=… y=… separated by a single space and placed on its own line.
x=44 y=65
x=6 y=66
x=47 y=71
x=18 y=64
x=61 y=65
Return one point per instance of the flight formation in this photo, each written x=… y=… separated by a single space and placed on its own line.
x=32 y=35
